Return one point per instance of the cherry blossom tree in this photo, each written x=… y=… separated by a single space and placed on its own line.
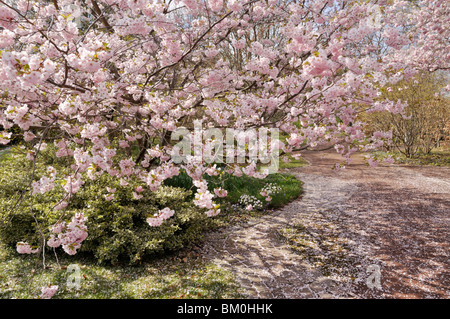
x=108 y=81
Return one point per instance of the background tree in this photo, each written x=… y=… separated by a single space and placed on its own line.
x=424 y=125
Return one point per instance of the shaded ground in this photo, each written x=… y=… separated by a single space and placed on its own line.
x=329 y=243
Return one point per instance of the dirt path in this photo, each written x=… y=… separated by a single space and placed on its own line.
x=350 y=224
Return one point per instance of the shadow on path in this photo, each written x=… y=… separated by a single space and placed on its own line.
x=396 y=217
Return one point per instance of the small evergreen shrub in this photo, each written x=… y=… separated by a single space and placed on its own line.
x=117 y=228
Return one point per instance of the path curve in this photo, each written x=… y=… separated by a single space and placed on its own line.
x=394 y=221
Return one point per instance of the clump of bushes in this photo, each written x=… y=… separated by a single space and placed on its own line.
x=117 y=228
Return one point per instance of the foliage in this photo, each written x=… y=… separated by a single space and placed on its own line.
x=245 y=185
x=425 y=123
x=179 y=276
x=117 y=228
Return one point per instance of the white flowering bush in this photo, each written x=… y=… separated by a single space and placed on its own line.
x=268 y=190
x=250 y=202
x=271 y=188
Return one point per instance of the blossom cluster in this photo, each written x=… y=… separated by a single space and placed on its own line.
x=220 y=192
x=204 y=198
x=162 y=215
x=46 y=183
x=5 y=137
x=25 y=248
x=69 y=236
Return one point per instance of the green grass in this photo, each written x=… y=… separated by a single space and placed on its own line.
x=184 y=275
x=4 y=153
x=294 y=163
x=291 y=188
x=231 y=210
x=437 y=157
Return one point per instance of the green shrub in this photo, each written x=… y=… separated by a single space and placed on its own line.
x=117 y=229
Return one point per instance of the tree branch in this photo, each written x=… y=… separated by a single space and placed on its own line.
x=98 y=11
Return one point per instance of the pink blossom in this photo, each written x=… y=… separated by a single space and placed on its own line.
x=70 y=236
x=137 y=196
x=93 y=130
x=295 y=139
x=5 y=137
x=48 y=292
x=154 y=180
x=53 y=241
x=162 y=215
x=28 y=136
x=73 y=184
x=318 y=66
x=250 y=170
x=139 y=189
x=220 y=192
x=216 y=5
x=6 y=38
x=213 y=212
x=25 y=248
x=58 y=228
x=123 y=144
x=203 y=199
x=212 y=171
x=126 y=166
x=166 y=213
x=42 y=186
x=82 y=159
x=154 y=221
x=7 y=16
x=111 y=190
x=235 y=5
x=109 y=197
x=63 y=149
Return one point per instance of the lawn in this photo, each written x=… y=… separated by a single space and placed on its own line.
x=437 y=157
x=183 y=275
